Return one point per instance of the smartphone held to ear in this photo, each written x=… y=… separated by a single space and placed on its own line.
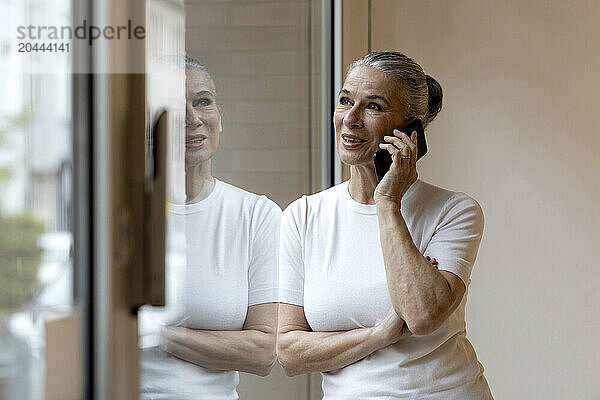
x=383 y=159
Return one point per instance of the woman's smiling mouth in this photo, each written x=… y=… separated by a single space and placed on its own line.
x=195 y=141
x=351 y=141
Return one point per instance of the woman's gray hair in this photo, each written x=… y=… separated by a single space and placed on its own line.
x=421 y=94
x=195 y=64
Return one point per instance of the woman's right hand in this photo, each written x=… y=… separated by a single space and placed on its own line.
x=391 y=329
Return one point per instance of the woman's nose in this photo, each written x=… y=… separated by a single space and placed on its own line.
x=192 y=117
x=353 y=118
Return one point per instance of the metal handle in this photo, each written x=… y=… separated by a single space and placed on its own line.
x=155 y=216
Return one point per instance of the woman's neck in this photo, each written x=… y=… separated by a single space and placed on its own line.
x=198 y=182
x=363 y=180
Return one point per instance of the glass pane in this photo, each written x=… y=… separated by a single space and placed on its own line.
x=252 y=144
x=39 y=327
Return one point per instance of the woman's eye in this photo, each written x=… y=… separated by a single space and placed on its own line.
x=345 y=101
x=375 y=106
x=203 y=102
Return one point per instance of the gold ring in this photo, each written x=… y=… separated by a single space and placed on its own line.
x=403 y=157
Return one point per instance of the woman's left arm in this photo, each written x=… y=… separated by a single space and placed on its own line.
x=250 y=350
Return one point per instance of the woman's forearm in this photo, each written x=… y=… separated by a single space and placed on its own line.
x=419 y=292
x=301 y=352
x=251 y=351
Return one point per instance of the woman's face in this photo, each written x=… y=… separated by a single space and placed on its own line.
x=202 y=118
x=368 y=108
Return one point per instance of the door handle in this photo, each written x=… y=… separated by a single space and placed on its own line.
x=155 y=215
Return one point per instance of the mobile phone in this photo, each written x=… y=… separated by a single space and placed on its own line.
x=383 y=159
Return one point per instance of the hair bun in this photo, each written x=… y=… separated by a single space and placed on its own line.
x=434 y=102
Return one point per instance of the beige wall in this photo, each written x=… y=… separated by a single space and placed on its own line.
x=519 y=132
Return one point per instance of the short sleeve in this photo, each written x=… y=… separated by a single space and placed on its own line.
x=291 y=261
x=456 y=239
x=263 y=268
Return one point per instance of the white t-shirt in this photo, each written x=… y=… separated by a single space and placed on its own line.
x=331 y=263
x=229 y=245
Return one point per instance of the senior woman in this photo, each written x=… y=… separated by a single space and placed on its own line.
x=360 y=300
x=225 y=300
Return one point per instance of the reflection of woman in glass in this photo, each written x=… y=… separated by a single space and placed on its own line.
x=360 y=300
x=229 y=288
